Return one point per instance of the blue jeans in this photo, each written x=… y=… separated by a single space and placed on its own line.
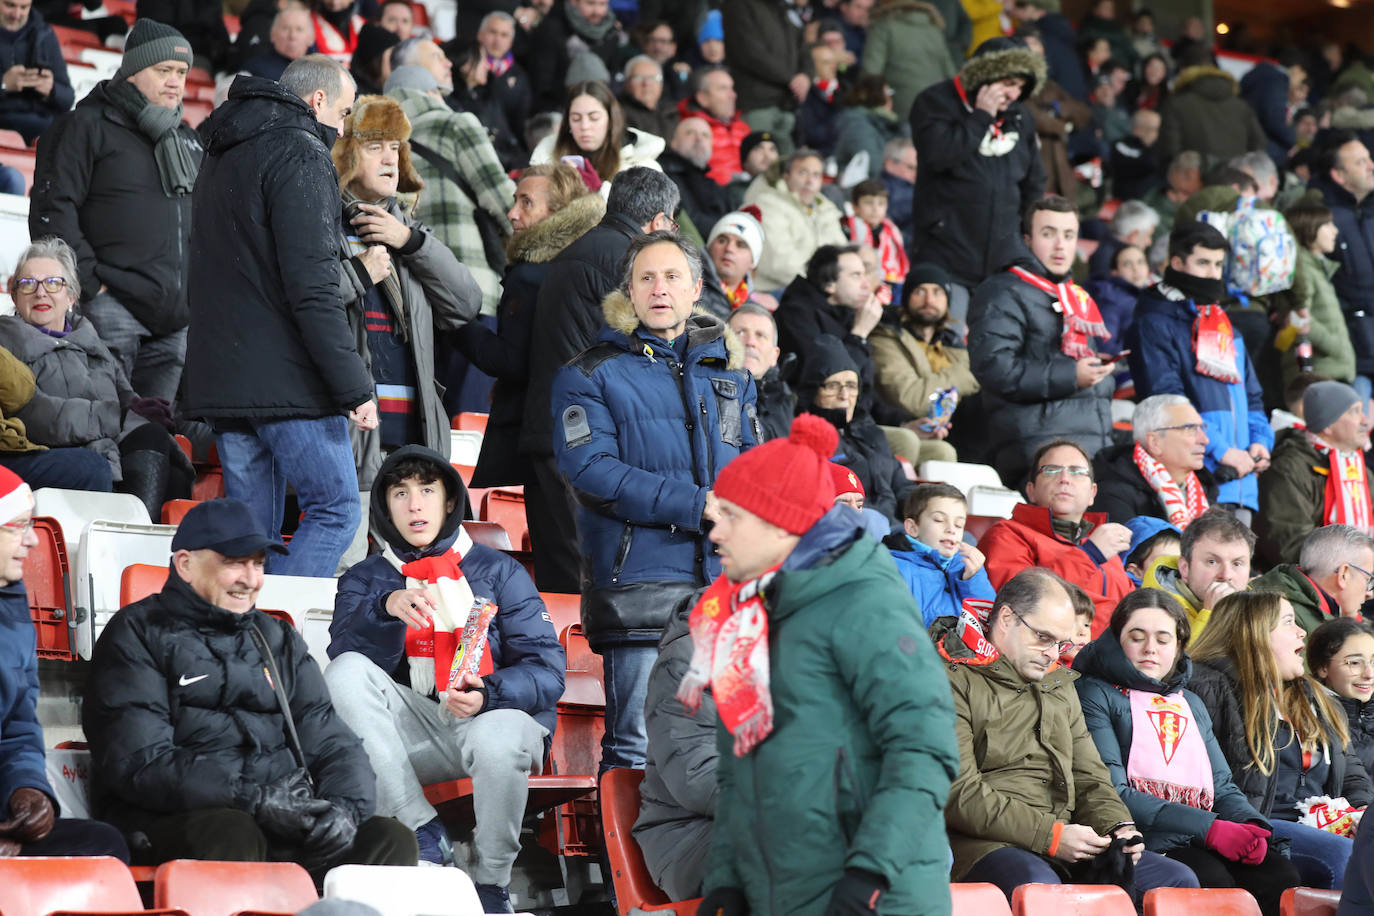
x=627 y=683
x=316 y=458
x=68 y=468
x=1320 y=856
x=1009 y=868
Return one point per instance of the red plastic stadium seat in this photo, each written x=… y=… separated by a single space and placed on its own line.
x=21 y=159
x=1309 y=901
x=138 y=582
x=978 y=525
x=421 y=14
x=174 y=510
x=12 y=139
x=477 y=422
x=506 y=507
x=47 y=578
x=564 y=610
x=49 y=885
x=1071 y=900
x=227 y=888
x=465 y=472
x=978 y=900
x=1214 y=901
x=488 y=534
x=195 y=110
x=68 y=37
x=635 y=890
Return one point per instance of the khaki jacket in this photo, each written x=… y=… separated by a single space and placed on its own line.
x=904 y=375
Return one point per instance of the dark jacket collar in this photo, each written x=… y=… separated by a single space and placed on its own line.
x=1104 y=659
x=381 y=513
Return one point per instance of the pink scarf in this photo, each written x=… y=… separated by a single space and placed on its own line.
x=1168 y=755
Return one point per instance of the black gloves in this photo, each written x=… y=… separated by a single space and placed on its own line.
x=330 y=838
x=154 y=410
x=724 y=901
x=286 y=810
x=857 y=894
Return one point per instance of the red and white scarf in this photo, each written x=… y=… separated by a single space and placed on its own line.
x=1214 y=343
x=1347 y=487
x=730 y=655
x=330 y=42
x=1168 y=756
x=1181 y=506
x=1082 y=320
x=891 y=255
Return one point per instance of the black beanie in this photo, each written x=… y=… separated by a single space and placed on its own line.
x=927 y=273
x=151 y=43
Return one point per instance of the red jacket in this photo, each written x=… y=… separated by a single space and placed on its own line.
x=1026 y=539
x=725 y=141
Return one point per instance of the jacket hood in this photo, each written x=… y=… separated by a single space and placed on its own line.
x=544 y=240
x=901 y=7
x=837 y=537
x=1207 y=81
x=1301 y=592
x=702 y=327
x=1104 y=659
x=1000 y=58
x=380 y=519
x=256 y=106
x=640 y=148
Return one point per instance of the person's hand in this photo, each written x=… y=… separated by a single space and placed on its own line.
x=799 y=85
x=1111 y=538
x=1090 y=370
x=413 y=605
x=1135 y=849
x=466 y=699
x=10 y=848
x=331 y=836
x=1241 y=461
x=31 y=816
x=939 y=431
x=991 y=98
x=377 y=225
x=42 y=82
x=286 y=809
x=856 y=894
x=1078 y=843
x=1260 y=455
x=1215 y=592
x=154 y=410
x=15 y=78
x=365 y=416
x=973 y=559
x=478 y=73
x=682 y=69
x=1232 y=840
x=527 y=17
x=766 y=300
x=866 y=317
x=724 y=901
x=377 y=262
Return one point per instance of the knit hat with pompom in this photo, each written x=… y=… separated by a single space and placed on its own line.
x=785 y=482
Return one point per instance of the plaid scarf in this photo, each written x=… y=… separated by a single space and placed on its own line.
x=730 y=655
x=1082 y=320
x=1346 y=499
x=1180 y=506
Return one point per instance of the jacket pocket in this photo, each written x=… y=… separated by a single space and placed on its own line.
x=622 y=553
x=728 y=411
x=850 y=801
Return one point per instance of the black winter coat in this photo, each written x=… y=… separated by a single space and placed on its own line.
x=1217 y=684
x=1354 y=281
x=96 y=186
x=567 y=317
x=1030 y=388
x=270 y=338
x=764 y=48
x=703 y=199
x=1359 y=718
x=776 y=404
x=34 y=45
x=1122 y=491
x=179 y=715
x=968 y=202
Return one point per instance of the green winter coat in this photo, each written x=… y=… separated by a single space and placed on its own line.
x=906 y=46
x=1333 y=355
x=857 y=768
x=1311 y=606
x=1026 y=759
x=1292 y=497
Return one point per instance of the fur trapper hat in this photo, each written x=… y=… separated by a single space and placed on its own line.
x=376 y=117
x=1000 y=58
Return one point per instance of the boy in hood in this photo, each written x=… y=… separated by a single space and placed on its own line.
x=937 y=564
x=388 y=672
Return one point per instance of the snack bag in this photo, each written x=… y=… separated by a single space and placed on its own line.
x=1334 y=815
x=471 y=653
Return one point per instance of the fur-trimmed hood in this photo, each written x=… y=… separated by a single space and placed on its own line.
x=898 y=7
x=1000 y=58
x=702 y=326
x=376 y=117
x=1192 y=75
x=543 y=241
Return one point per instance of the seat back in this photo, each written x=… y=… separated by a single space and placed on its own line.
x=1211 y=901
x=174 y=510
x=48 y=581
x=139 y=581
x=978 y=900
x=1071 y=900
x=467 y=420
x=978 y=525
x=226 y=888
x=1309 y=901
x=489 y=534
x=396 y=890
x=634 y=888
x=464 y=446
x=42 y=885
x=564 y=610
x=507 y=508
x=106 y=550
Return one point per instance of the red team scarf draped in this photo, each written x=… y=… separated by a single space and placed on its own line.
x=1180 y=506
x=1214 y=342
x=1347 y=487
x=888 y=243
x=1082 y=320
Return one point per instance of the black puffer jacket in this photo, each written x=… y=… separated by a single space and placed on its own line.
x=1030 y=388
x=776 y=404
x=1359 y=718
x=270 y=337
x=180 y=716
x=96 y=186
x=1122 y=491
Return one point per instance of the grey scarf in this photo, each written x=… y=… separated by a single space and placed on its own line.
x=178 y=157
x=585 y=29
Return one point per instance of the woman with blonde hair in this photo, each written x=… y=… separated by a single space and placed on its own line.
x=1285 y=739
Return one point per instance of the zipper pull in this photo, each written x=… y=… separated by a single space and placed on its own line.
x=649 y=352
x=702 y=402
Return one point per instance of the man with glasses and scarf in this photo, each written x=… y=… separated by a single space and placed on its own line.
x=1054 y=530
x=1333 y=578
x=1159 y=474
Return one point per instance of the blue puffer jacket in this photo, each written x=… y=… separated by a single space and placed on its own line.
x=937 y=583
x=525 y=653
x=1162 y=362
x=1354 y=281
x=640 y=432
x=21 y=737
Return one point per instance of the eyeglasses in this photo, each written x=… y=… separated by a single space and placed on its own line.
x=672 y=223
x=1357 y=665
x=1074 y=470
x=647 y=78
x=29 y=285
x=1043 y=640
x=18 y=528
x=1368 y=579
x=837 y=387
x=1191 y=429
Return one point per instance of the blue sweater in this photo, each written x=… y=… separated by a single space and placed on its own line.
x=936 y=582
x=21 y=737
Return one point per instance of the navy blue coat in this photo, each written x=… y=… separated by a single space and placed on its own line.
x=527 y=659
x=34 y=45
x=641 y=432
x=1265 y=88
x=21 y=737
x=1354 y=281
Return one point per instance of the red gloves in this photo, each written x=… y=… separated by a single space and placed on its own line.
x=1247 y=844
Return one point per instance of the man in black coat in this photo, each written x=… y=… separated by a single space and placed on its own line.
x=1344 y=173
x=113 y=179
x=1160 y=473
x=35 y=81
x=567 y=320
x=686 y=162
x=775 y=405
x=211 y=730
x=272 y=361
x=573 y=27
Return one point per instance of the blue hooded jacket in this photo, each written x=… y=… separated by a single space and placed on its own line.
x=936 y=582
x=1163 y=362
x=527 y=658
x=21 y=737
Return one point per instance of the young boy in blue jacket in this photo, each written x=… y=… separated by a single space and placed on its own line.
x=939 y=568
x=492 y=727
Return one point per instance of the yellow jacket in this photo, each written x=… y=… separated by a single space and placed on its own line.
x=1163 y=574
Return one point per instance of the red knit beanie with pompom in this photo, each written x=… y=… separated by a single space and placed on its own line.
x=785 y=482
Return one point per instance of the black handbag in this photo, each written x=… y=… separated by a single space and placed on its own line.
x=274 y=677
x=493 y=239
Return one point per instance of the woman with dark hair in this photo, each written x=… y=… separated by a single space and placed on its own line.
x=1155 y=737
x=867 y=123
x=593 y=127
x=1284 y=737
x=1315 y=303
x=1340 y=654
x=1152 y=88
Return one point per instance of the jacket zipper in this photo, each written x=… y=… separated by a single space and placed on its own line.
x=623 y=553
x=710 y=469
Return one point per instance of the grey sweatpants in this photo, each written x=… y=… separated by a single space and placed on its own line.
x=412 y=742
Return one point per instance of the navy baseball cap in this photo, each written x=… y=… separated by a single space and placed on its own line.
x=225 y=526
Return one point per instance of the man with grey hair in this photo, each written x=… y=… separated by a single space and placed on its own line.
x=1260 y=167
x=1160 y=473
x=272 y=364
x=291 y=37
x=643 y=420
x=1333 y=578
x=899 y=177
x=1134 y=223
x=567 y=320
x=423 y=52
x=686 y=161
x=647 y=108
x=507 y=82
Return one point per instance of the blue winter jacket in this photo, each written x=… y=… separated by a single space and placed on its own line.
x=21 y=737
x=525 y=652
x=640 y=432
x=1162 y=362
x=937 y=583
